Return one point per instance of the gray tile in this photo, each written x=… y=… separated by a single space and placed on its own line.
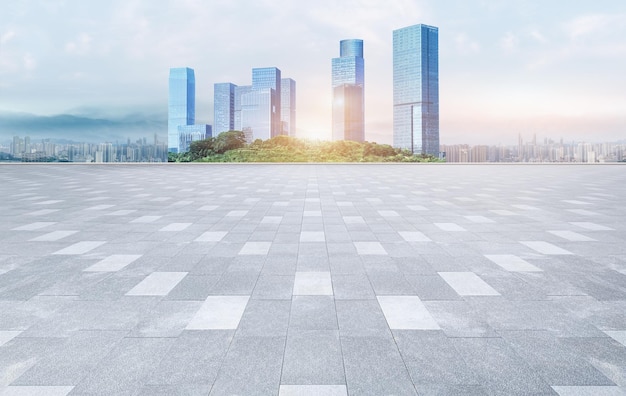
x=313 y=357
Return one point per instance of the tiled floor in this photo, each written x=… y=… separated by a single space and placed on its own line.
x=312 y=279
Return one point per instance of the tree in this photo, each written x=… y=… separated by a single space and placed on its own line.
x=230 y=140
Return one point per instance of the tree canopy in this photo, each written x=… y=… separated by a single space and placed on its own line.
x=231 y=147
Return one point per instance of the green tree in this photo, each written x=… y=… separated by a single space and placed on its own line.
x=230 y=140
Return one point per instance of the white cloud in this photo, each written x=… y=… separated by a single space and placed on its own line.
x=29 y=62
x=6 y=37
x=509 y=42
x=536 y=34
x=81 y=45
x=465 y=45
x=593 y=23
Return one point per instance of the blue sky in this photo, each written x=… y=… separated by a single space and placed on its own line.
x=552 y=68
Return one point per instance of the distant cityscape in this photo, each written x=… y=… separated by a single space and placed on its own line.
x=267 y=108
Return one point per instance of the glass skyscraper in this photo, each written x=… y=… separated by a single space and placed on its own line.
x=223 y=107
x=181 y=103
x=288 y=106
x=416 y=89
x=260 y=106
x=348 y=83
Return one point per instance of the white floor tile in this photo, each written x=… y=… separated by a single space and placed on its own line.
x=53 y=236
x=100 y=207
x=353 y=220
x=34 y=226
x=113 y=263
x=503 y=212
x=312 y=284
x=576 y=202
x=572 y=236
x=512 y=263
x=406 y=313
x=583 y=212
x=451 y=227
x=417 y=207
x=146 y=219
x=211 y=236
x=414 y=236
x=272 y=219
x=32 y=390
x=591 y=226
x=468 y=284
x=6 y=336
x=545 y=247
x=619 y=336
x=312 y=236
x=312 y=390
x=157 y=284
x=589 y=390
x=219 y=313
x=42 y=212
x=208 y=207
x=479 y=219
x=370 y=248
x=256 y=248
x=80 y=247
x=173 y=227
x=388 y=213
x=237 y=213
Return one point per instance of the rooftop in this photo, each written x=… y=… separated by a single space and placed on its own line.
x=312 y=279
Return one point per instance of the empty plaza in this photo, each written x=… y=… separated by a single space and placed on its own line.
x=312 y=279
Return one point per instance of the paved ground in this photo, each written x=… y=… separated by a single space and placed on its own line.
x=312 y=280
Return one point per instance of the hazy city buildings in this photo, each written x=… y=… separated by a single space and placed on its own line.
x=348 y=84
x=190 y=133
x=288 y=106
x=223 y=107
x=265 y=109
x=416 y=89
x=181 y=103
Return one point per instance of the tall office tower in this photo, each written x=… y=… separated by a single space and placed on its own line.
x=239 y=92
x=288 y=106
x=416 y=89
x=181 y=103
x=260 y=106
x=224 y=107
x=348 y=80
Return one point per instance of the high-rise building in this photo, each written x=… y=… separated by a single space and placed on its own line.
x=348 y=83
x=416 y=89
x=260 y=106
x=181 y=103
x=239 y=92
x=288 y=106
x=224 y=107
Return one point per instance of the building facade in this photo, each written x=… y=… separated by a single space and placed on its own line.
x=260 y=106
x=223 y=107
x=348 y=84
x=181 y=104
x=288 y=106
x=416 y=89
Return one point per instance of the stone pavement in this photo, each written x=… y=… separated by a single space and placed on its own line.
x=312 y=279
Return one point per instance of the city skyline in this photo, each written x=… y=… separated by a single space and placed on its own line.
x=527 y=67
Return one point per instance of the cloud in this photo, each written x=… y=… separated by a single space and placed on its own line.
x=29 y=62
x=6 y=37
x=509 y=42
x=81 y=45
x=465 y=45
x=585 y=25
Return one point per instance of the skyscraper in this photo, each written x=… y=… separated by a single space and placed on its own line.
x=192 y=133
x=348 y=83
x=260 y=106
x=181 y=103
x=288 y=106
x=224 y=107
x=416 y=89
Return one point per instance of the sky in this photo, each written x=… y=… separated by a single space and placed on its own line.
x=98 y=70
